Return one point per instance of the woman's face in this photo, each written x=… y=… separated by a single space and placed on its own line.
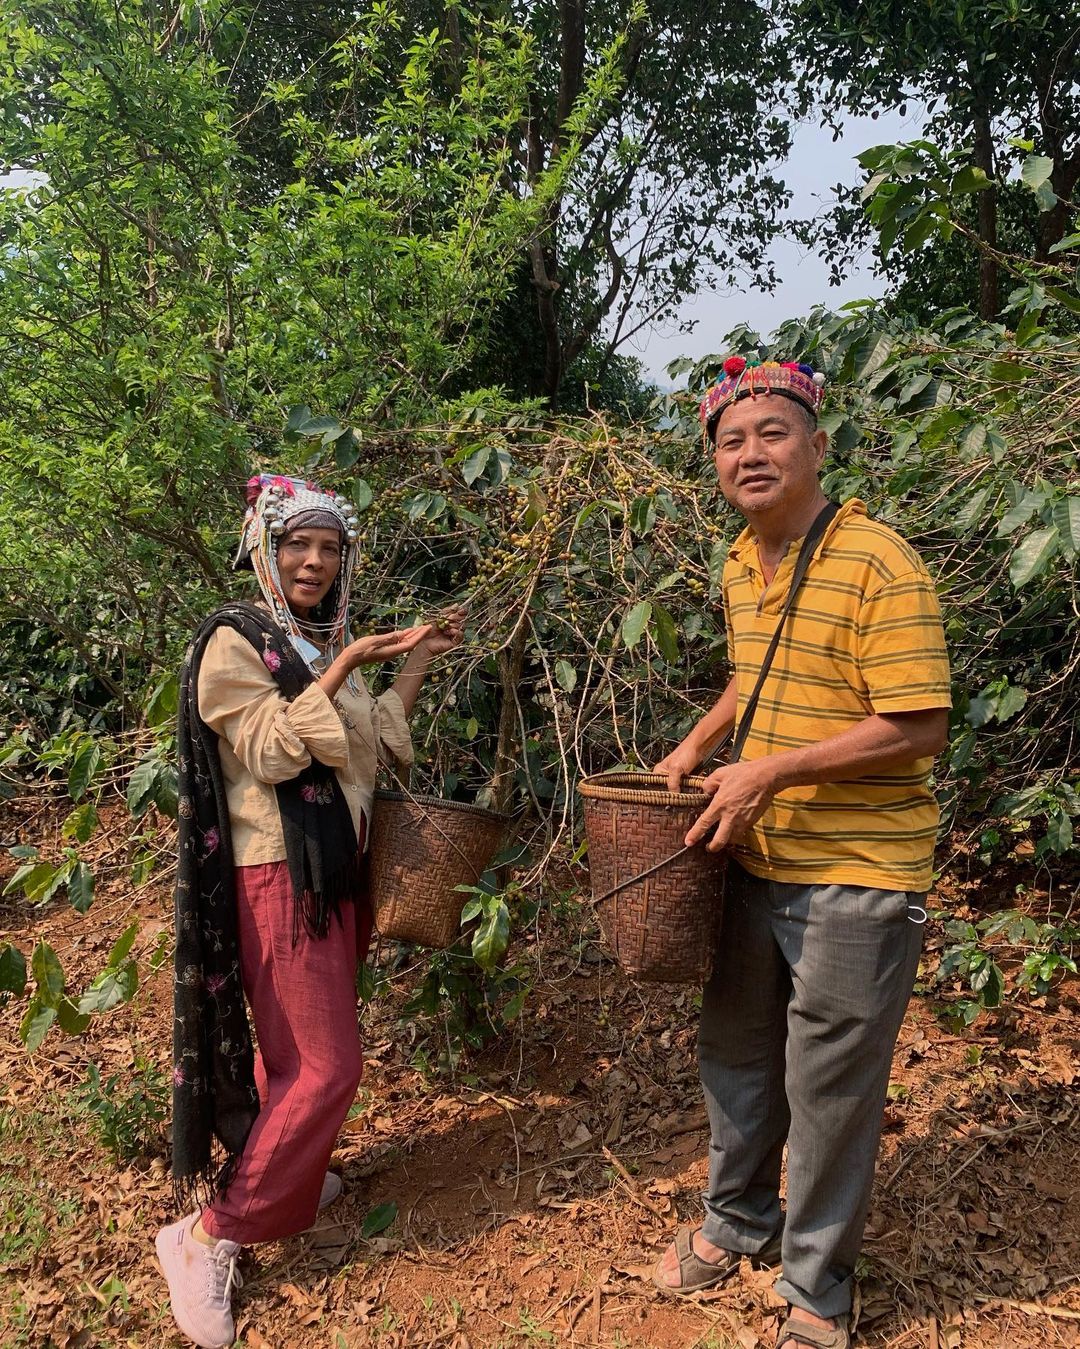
x=308 y=560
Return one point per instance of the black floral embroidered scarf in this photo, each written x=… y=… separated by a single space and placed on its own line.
x=214 y=1092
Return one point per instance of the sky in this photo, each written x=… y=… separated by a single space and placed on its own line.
x=814 y=166
x=18 y=178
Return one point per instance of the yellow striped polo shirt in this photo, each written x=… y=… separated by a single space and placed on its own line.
x=865 y=637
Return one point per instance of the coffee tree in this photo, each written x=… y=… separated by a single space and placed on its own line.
x=162 y=336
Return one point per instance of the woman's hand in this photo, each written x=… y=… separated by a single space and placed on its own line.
x=445 y=631
x=383 y=646
x=439 y=636
x=680 y=763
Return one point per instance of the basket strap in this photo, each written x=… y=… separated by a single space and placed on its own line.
x=642 y=875
x=433 y=822
x=802 y=566
x=403 y=786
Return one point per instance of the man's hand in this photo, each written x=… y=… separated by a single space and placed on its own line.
x=680 y=763
x=741 y=793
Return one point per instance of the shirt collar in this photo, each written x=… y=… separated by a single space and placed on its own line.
x=744 y=549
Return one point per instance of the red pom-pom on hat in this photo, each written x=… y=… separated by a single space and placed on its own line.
x=253 y=488
x=734 y=365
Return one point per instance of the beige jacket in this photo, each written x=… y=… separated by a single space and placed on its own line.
x=264 y=740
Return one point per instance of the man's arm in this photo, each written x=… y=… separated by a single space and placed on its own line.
x=742 y=792
x=701 y=741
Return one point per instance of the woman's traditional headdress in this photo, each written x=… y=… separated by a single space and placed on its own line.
x=276 y=506
x=746 y=377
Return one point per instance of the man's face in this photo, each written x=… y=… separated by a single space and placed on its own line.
x=766 y=455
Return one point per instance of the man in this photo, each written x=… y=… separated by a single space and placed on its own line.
x=831 y=825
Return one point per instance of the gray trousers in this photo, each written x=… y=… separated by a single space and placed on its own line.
x=798 y=1025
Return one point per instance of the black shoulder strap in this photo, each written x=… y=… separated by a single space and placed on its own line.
x=802 y=565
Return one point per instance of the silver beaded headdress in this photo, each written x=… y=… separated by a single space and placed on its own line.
x=277 y=505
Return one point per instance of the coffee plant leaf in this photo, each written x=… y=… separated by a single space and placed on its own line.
x=378 y=1219
x=12 y=970
x=1031 y=559
x=635 y=623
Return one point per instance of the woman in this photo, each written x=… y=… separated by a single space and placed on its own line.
x=279 y=744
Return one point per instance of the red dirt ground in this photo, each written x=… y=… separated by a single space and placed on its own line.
x=535 y=1190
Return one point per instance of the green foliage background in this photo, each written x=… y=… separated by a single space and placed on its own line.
x=175 y=312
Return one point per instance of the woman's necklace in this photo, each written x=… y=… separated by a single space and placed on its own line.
x=319 y=661
x=346 y=720
x=309 y=652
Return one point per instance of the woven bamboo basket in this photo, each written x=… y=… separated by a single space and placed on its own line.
x=662 y=928
x=422 y=848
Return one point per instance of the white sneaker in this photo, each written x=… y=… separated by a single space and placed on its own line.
x=331 y=1188
x=201 y=1279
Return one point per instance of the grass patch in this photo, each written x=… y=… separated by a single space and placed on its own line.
x=32 y=1210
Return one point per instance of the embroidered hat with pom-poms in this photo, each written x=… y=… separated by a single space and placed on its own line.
x=748 y=377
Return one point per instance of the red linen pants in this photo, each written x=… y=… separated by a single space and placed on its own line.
x=303 y=1005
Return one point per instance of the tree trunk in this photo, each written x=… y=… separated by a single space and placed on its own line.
x=561 y=348
x=988 y=267
x=510 y=663
x=543 y=254
x=454 y=48
x=1054 y=224
x=543 y=257
x=571 y=60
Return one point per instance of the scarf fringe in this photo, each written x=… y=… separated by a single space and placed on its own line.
x=314 y=910
x=202 y=1187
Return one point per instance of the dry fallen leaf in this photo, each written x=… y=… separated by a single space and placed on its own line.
x=633 y=1271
